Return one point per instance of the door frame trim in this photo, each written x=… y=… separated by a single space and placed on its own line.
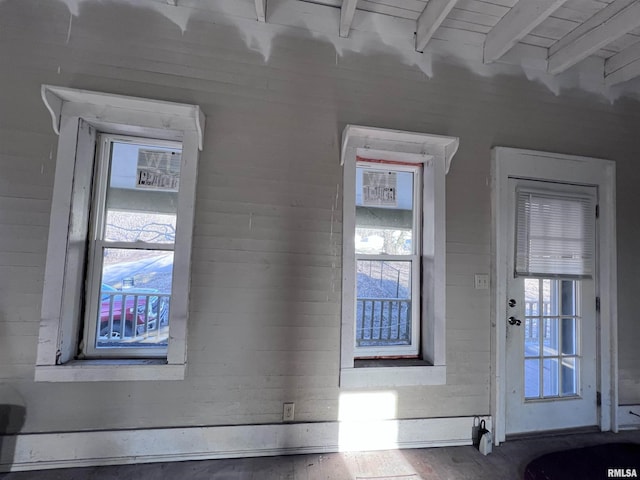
x=530 y=164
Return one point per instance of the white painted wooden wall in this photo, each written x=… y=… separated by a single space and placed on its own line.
x=264 y=326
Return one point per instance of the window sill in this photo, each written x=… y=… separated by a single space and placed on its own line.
x=392 y=373
x=110 y=371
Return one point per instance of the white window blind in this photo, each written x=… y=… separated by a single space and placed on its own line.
x=555 y=234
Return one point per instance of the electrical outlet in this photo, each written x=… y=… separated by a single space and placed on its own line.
x=481 y=281
x=288 y=412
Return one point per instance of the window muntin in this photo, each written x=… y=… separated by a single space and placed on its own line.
x=387 y=254
x=130 y=276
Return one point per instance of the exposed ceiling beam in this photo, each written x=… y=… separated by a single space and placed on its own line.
x=261 y=10
x=347 y=12
x=517 y=23
x=430 y=19
x=623 y=66
x=609 y=24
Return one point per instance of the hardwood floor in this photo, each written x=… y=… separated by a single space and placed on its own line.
x=446 y=463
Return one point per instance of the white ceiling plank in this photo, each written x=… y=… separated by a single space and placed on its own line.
x=609 y=24
x=430 y=19
x=261 y=10
x=623 y=66
x=516 y=24
x=347 y=11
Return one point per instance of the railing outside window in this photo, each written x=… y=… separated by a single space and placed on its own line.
x=133 y=317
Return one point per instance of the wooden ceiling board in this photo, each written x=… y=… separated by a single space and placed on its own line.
x=554 y=28
x=367 y=6
x=622 y=43
x=473 y=17
x=329 y=3
x=586 y=5
x=466 y=26
x=413 y=5
x=537 y=41
x=502 y=3
x=574 y=15
x=482 y=7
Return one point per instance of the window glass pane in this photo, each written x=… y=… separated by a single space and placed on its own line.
x=568 y=294
x=142 y=194
x=135 y=297
x=531 y=296
x=532 y=378
x=569 y=335
x=531 y=337
x=384 y=212
x=549 y=297
x=550 y=377
x=383 y=304
x=550 y=340
x=569 y=376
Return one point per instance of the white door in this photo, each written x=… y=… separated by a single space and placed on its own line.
x=551 y=307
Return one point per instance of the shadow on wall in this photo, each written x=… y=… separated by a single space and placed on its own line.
x=12 y=419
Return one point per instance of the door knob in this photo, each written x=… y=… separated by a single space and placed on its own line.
x=514 y=321
x=512 y=302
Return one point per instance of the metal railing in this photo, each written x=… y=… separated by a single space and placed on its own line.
x=132 y=316
x=383 y=322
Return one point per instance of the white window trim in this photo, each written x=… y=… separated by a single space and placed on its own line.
x=70 y=110
x=435 y=152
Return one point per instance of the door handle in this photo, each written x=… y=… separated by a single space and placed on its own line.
x=514 y=321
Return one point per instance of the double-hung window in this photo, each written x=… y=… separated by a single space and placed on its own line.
x=133 y=230
x=393 y=257
x=387 y=251
x=116 y=286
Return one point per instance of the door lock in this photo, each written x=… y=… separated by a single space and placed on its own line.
x=514 y=321
x=512 y=302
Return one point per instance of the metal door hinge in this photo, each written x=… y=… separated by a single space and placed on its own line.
x=597 y=211
x=597 y=304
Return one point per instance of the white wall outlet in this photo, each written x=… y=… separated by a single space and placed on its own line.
x=482 y=281
x=288 y=412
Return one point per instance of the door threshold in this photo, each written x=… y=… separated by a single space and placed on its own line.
x=552 y=433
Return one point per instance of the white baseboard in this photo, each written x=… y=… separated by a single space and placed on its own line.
x=117 y=447
x=626 y=420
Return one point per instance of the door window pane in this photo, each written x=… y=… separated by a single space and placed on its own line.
x=532 y=378
x=550 y=342
x=532 y=296
x=550 y=377
x=570 y=376
x=569 y=336
x=531 y=338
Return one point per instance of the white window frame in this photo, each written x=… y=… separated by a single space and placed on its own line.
x=102 y=170
x=78 y=115
x=434 y=153
x=414 y=258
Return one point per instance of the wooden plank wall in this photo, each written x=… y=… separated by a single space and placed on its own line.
x=265 y=325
